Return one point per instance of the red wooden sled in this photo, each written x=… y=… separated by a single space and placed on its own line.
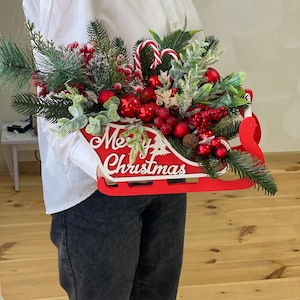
x=162 y=163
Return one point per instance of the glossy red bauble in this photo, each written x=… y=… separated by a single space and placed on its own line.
x=146 y=113
x=104 y=95
x=204 y=150
x=147 y=94
x=154 y=81
x=221 y=152
x=181 y=129
x=212 y=75
x=129 y=105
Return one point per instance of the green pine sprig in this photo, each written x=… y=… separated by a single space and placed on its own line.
x=108 y=50
x=227 y=127
x=246 y=166
x=38 y=42
x=16 y=64
x=178 y=146
x=51 y=108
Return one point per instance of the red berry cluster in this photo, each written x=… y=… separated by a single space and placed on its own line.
x=206 y=116
x=164 y=121
x=86 y=50
x=131 y=76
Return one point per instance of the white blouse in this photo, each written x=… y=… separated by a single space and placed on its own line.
x=69 y=164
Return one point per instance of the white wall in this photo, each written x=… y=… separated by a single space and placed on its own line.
x=260 y=37
x=11 y=25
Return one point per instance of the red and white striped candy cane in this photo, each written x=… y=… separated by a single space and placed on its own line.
x=137 y=58
x=157 y=55
x=171 y=52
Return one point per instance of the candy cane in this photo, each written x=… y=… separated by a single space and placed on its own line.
x=171 y=52
x=157 y=55
x=137 y=58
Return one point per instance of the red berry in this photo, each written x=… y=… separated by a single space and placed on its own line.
x=174 y=91
x=172 y=121
x=158 y=122
x=165 y=129
x=163 y=113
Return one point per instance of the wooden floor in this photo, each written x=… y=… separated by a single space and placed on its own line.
x=239 y=245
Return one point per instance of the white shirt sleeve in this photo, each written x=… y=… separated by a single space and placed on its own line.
x=65 y=21
x=73 y=150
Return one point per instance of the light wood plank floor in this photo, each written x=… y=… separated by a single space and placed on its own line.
x=240 y=245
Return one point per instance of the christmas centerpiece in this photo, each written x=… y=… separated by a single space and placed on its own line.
x=162 y=113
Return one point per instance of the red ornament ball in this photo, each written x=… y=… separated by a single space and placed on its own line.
x=212 y=75
x=204 y=150
x=221 y=152
x=129 y=105
x=153 y=81
x=215 y=143
x=104 y=95
x=147 y=94
x=181 y=129
x=146 y=113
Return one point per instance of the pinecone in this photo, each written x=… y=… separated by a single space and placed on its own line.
x=174 y=110
x=190 y=141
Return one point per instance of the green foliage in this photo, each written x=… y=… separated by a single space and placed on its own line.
x=16 y=65
x=104 y=75
x=51 y=108
x=227 y=127
x=61 y=66
x=97 y=124
x=37 y=40
x=98 y=34
x=176 y=40
x=137 y=139
x=246 y=166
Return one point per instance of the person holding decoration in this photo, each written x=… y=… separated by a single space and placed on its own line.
x=127 y=125
x=108 y=247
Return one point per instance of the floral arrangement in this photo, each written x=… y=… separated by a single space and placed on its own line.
x=168 y=84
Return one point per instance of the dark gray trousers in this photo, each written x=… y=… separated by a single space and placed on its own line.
x=121 y=248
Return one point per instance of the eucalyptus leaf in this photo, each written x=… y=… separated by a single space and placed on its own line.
x=76 y=110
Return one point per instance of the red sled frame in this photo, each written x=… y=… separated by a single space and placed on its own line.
x=249 y=138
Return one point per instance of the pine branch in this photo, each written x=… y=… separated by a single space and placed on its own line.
x=50 y=108
x=37 y=40
x=246 y=166
x=98 y=34
x=227 y=127
x=178 y=146
x=60 y=67
x=16 y=64
x=119 y=44
x=177 y=40
x=212 y=44
x=25 y=104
